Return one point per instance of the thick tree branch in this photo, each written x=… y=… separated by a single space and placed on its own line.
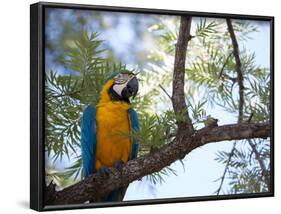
x=238 y=68
x=96 y=185
x=178 y=97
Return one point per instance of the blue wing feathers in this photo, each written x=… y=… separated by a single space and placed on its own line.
x=88 y=140
x=135 y=126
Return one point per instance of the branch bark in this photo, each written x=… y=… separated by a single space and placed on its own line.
x=178 y=98
x=238 y=68
x=97 y=186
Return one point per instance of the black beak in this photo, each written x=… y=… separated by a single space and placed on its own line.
x=131 y=89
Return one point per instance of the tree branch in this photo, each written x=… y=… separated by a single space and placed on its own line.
x=178 y=97
x=240 y=80
x=164 y=90
x=226 y=167
x=238 y=68
x=224 y=64
x=96 y=185
x=261 y=163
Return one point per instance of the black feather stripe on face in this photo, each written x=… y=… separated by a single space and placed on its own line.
x=116 y=97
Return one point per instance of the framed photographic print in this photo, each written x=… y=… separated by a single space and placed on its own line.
x=134 y=106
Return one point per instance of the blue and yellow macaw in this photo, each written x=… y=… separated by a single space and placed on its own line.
x=106 y=128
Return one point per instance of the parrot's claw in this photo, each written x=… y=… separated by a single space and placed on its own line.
x=119 y=165
x=104 y=172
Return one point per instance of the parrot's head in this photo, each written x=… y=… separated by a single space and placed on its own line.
x=125 y=86
x=121 y=86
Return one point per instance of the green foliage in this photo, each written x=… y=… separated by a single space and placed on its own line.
x=74 y=171
x=198 y=113
x=84 y=54
x=204 y=29
x=244 y=174
x=155 y=131
x=258 y=93
x=244 y=29
x=167 y=31
x=169 y=38
x=158 y=177
x=63 y=115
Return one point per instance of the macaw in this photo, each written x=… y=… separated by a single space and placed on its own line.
x=106 y=128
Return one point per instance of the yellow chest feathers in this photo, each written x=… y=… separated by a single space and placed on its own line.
x=113 y=140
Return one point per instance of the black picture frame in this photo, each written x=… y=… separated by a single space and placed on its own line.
x=37 y=115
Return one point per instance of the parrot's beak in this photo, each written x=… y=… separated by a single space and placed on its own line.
x=131 y=89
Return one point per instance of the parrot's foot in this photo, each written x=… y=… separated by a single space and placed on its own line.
x=119 y=165
x=104 y=172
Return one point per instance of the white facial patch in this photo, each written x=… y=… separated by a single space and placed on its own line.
x=118 y=88
x=121 y=82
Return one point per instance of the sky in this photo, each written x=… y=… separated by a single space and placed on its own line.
x=200 y=169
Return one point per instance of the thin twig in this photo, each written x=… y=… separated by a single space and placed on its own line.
x=261 y=163
x=233 y=79
x=250 y=117
x=165 y=91
x=222 y=69
x=226 y=167
x=66 y=94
